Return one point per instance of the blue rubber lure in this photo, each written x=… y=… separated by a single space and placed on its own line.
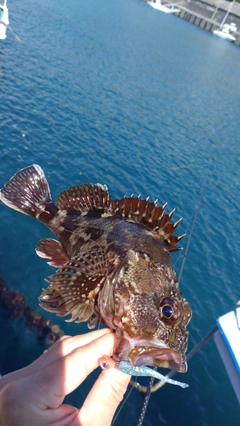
x=126 y=367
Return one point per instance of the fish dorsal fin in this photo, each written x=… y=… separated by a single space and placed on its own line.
x=151 y=215
x=92 y=197
x=84 y=198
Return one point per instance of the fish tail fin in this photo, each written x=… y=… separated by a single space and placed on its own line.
x=28 y=192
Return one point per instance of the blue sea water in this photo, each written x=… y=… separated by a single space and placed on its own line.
x=119 y=93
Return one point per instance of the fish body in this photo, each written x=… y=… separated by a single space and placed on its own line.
x=114 y=265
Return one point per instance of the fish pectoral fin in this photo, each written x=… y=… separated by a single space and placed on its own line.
x=84 y=198
x=74 y=287
x=93 y=321
x=48 y=248
x=151 y=215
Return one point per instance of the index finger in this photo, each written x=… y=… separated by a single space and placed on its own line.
x=59 y=349
x=103 y=399
x=67 y=373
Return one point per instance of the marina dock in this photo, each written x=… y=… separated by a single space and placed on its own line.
x=208 y=14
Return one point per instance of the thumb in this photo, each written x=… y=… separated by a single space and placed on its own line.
x=104 y=398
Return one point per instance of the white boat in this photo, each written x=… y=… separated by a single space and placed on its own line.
x=226 y=32
x=227 y=340
x=4 y=21
x=159 y=6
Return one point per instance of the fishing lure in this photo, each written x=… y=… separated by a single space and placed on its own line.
x=106 y=363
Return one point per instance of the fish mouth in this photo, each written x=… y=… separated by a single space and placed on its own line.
x=158 y=357
x=141 y=351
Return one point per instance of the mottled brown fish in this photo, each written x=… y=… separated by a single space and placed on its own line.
x=114 y=265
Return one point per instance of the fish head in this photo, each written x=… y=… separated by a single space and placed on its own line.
x=141 y=301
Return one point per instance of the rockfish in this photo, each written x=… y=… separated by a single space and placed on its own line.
x=114 y=266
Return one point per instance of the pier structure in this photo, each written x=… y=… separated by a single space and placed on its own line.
x=207 y=14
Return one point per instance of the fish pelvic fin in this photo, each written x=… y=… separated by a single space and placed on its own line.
x=149 y=214
x=48 y=248
x=28 y=192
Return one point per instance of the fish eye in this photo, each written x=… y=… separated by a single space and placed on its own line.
x=168 y=309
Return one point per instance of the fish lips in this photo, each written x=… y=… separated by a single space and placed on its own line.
x=143 y=351
x=158 y=357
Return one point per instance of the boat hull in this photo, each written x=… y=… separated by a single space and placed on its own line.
x=162 y=8
x=225 y=36
x=3 y=30
x=4 y=21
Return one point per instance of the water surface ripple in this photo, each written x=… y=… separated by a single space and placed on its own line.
x=118 y=93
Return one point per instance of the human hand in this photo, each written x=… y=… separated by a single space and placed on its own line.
x=33 y=396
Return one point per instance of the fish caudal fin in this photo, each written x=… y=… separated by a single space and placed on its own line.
x=27 y=191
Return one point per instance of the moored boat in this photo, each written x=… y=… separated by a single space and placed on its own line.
x=159 y=6
x=226 y=32
x=4 y=21
x=227 y=340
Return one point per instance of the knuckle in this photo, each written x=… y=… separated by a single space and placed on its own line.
x=9 y=396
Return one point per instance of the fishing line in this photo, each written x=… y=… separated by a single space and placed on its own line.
x=26 y=47
x=171 y=373
x=150 y=388
x=122 y=405
x=192 y=228
x=45 y=68
x=15 y=35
